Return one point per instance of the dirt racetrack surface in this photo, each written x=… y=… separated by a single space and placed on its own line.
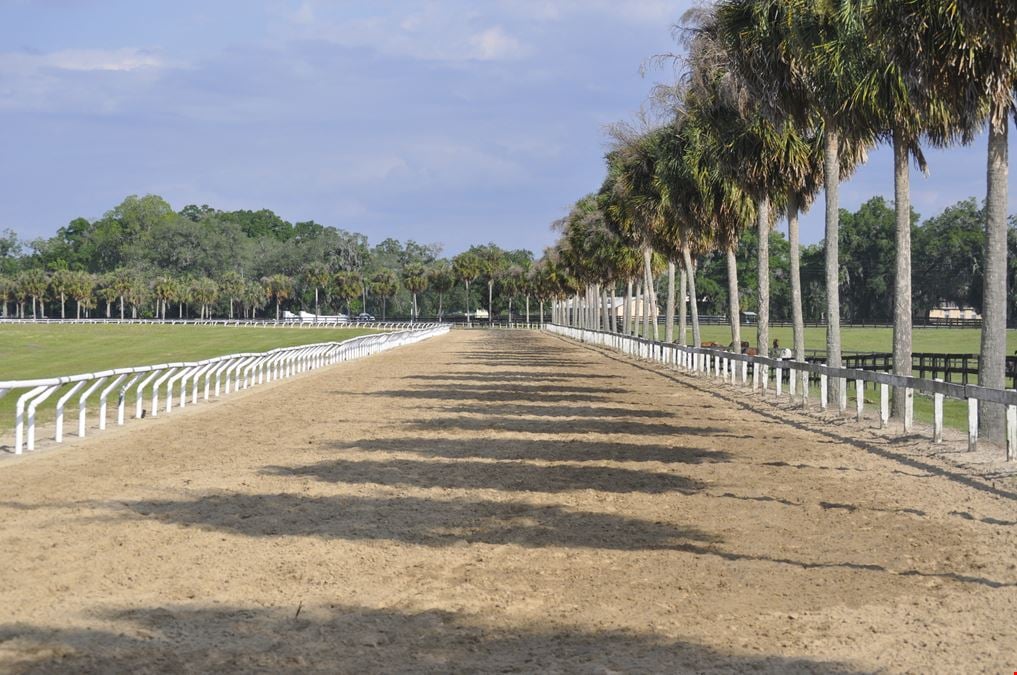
x=499 y=502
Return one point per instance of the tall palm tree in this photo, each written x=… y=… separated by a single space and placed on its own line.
x=974 y=70
x=415 y=280
x=800 y=59
x=164 y=291
x=467 y=266
x=34 y=283
x=348 y=285
x=82 y=290
x=6 y=292
x=61 y=283
x=384 y=285
x=318 y=275
x=119 y=282
x=279 y=287
x=232 y=285
x=442 y=279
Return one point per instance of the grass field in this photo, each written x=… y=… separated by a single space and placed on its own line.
x=36 y=351
x=940 y=340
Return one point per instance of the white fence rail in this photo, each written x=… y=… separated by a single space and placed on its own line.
x=184 y=382
x=769 y=376
x=321 y=322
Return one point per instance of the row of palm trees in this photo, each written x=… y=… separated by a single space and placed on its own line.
x=127 y=293
x=779 y=100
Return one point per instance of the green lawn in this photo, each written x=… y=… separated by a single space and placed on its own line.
x=29 y=351
x=940 y=340
x=37 y=351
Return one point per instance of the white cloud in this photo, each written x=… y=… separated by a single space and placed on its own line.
x=113 y=60
x=494 y=44
x=427 y=31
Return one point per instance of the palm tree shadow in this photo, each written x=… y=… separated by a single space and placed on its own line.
x=546 y=450
x=354 y=639
x=414 y=520
x=545 y=426
x=506 y=476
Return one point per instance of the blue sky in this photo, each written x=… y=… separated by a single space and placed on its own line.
x=441 y=121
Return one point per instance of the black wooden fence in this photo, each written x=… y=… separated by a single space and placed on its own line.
x=957 y=368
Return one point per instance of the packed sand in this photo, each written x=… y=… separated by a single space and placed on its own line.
x=500 y=501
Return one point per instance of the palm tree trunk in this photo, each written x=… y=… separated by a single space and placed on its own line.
x=467 y=303
x=669 y=326
x=690 y=272
x=763 y=269
x=609 y=310
x=317 y=309
x=277 y=309
x=902 y=278
x=734 y=310
x=831 y=161
x=121 y=308
x=490 y=301
x=639 y=310
x=650 y=292
x=991 y=372
x=63 y=303
x=527 y=309
x=683 y=286
x=440 y=308
x=797 y=318
x=627 y=309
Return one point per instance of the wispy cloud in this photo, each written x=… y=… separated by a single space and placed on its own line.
x=112 y=60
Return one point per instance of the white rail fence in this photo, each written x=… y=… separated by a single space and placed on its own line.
x=180 y=383
x=769 y=376
x=321 y=322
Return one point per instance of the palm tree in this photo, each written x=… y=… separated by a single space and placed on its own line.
x=278 y=287
x=6 y=292
x=82 y=290
x=415 y=279
x=137 y=293
x=384 y=285
x=120 y=283
x=205 y=292
x=467 y=267
x=253 y=298
x=34 y=283
x=974 y=69
x=232 y=285
x=164 y=289
x=800 y=59
x=317 y=275
x=61 y=283
x=348 y=285
x=442 y=279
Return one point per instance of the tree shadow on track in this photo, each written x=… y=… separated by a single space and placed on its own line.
x=451 y=378
x=502 y=476
x=557 y=426
x=492 y=394
x=820 y=428
x=552 y=451
x=353 y=639
x=537 y=410
x=418 y=521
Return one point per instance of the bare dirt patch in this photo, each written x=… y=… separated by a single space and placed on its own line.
x=496 y=501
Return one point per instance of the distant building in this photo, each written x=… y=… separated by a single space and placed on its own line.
x=950 y=310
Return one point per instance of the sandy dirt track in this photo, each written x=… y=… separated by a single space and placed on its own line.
x=495 y=501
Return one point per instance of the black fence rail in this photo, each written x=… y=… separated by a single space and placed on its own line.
x=960 y=368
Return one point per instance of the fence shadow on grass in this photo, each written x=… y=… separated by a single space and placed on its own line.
x=418 y=521
x=546 y=450
x=514 y=476
x=344 y=638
